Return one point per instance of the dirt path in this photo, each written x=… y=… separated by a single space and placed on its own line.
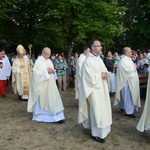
x=19 y=132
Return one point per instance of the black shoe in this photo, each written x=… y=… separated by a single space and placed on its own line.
x=19 y=97
x=97 y=139
x=131 y=115
x=122 y=109
x=25 y=100
x=61 y=121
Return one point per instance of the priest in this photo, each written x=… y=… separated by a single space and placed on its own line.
x=94 y=101
x=21 y=73
x=44 y=98
x=127 y=96
x=79 y=63
x=144 y=122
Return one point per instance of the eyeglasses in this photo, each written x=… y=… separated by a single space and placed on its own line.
x=47 y=54
x=97 y=46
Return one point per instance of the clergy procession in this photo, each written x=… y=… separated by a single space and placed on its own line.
x=101 y=83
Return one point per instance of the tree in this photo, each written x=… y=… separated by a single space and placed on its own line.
x=60 y=23
x=136 y=20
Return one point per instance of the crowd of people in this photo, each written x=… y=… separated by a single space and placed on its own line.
x=96 y=78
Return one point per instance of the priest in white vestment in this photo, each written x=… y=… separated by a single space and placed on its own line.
x=94 y=101
x=5 y=71
x=44 y=98
x=21 y=73
x=79 y=63
x=127 y=96
x=144 y=122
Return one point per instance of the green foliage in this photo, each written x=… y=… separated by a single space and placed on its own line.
x=136 y=19
x=59 y=23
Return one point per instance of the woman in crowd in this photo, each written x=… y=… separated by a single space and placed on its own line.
x=109 y=62
x=74 y=67
x=134 y=58
x=61 y=66
x=141 y=65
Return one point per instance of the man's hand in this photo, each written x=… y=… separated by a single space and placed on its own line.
x=115 y=65
x=105 y=75
x=50 y=70
x=1 y=65
x=22 y=66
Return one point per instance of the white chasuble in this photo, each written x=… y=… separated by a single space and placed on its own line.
x=144 y=122
x=95 y=89
x=79 y=63
x=44 y=88
x=126 y=72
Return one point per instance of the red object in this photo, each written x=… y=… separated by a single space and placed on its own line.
x=1 y=60
x=3 y=87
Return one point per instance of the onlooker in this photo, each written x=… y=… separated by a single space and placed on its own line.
x=74 y=61
x=134 y=58
x=61 y=66
x=111 y=67
x=142 y=66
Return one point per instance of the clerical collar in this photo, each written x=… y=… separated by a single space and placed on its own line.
x=127 y=57
x=94 y=54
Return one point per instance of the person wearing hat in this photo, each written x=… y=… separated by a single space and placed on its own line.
x=21 y=75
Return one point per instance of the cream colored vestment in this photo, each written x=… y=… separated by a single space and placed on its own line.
x=144 y=122
x=79 y=63
x=126 y=72
x=21 y=77
x=95 y=88
x=43 y=87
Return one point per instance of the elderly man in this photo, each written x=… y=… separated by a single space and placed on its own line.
x=21 y=75
x=144 y=122
x=79 y=63
x=44 y=98
x=94 y=101
x=127 y=96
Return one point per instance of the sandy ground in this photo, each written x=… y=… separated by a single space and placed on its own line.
x=19 y=132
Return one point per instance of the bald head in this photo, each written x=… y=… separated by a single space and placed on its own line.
x=46 y=52
x=127 y=51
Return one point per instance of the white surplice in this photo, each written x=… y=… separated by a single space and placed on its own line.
x=79 y=63
x=5 y=71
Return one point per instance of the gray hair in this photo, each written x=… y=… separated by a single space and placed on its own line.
x=45 y=49
x=125 y=50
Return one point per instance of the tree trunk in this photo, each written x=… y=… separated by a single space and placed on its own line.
x=68 y=61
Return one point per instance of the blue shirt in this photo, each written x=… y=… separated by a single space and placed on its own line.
x=61 y=65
